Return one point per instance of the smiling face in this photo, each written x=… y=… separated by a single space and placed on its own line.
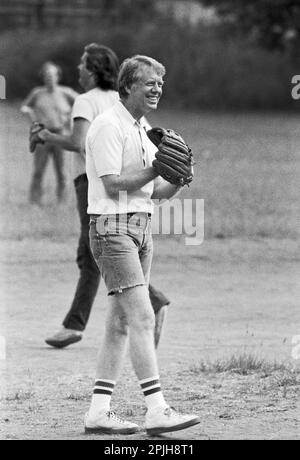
x=145 y=93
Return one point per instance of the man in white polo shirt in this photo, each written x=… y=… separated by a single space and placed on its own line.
x=122 y=184
x=98 y=72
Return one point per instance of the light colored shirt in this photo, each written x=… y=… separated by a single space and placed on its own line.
x=53 y=109
x=117 y=144
x=88 y=106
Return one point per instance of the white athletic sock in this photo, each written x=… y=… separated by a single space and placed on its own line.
x=152 y=392
x=103 y=391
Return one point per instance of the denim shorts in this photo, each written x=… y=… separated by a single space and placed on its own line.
x=122 y=248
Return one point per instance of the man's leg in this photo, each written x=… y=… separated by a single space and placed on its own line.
x=86 y=290
x=100 y=419
x=114 y=343
x=41 y=156
x=160 y=318
x=131 y=308
x=159 y=304
x=77 y=317
x=121 y=262
x=157 y=298
x=58 y=161
x=89 y=278
x=139 y=315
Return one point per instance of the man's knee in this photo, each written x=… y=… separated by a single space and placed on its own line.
x=37 y=175
x=135 y=302
x=144 y=320
x=118 y=326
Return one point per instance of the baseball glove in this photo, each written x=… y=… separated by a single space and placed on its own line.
x=34 y=137
x=174 y=159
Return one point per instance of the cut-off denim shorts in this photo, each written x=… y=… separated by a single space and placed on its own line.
x=122 y=247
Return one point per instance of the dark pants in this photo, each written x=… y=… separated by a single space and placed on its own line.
x=41 y=156
x=89 y=277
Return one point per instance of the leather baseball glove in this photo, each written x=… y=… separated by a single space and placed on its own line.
x=34 y=137
x=174 y=159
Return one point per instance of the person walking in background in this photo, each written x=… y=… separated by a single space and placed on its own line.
x=50 y=105
x=98 y=73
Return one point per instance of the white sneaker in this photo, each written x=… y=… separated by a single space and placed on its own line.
x=108 y=422
x=164 y=419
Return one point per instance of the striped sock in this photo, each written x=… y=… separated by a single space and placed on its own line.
x=152 y=392
x=102 y=393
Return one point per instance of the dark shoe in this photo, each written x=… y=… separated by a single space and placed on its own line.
x=63 y=338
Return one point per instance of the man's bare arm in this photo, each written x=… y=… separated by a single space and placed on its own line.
x=163 y=190
x=127 y=182
x=29 y=112
x=74 y=142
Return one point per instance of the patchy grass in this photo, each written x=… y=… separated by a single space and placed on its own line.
x=243 y=364
x=291 y=378
x=247 y=173
x=19 y=395
x=79 y=396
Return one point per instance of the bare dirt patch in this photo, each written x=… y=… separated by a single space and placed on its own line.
x=240 y=300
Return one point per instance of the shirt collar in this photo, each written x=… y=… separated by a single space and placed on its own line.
x=123 y=113
x=126 y=116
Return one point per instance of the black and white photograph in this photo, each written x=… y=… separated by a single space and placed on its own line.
x=150 y=222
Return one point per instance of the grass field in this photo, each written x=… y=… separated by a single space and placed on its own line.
x=247 y=172
x=226 y=352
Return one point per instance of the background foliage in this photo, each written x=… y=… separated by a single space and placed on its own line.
x=274 y=24
x=234 y=62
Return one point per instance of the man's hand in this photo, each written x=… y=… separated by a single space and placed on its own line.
x=34 y=138
x=45 y=135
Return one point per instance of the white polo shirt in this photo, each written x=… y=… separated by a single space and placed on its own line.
x=117 y=144
x=88 y=106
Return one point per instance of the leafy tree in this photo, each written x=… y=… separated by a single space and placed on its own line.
x=274 y=24
x=128 y=10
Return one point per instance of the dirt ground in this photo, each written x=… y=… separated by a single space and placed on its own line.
x=237 y=313
x=240 y=298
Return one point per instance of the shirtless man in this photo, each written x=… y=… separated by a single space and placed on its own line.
x=51 y=105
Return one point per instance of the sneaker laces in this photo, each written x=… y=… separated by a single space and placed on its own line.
x=114 y=416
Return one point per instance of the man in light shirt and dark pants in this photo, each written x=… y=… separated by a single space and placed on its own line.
x=122 y=185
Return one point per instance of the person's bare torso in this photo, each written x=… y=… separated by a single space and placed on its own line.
x=52 y=108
